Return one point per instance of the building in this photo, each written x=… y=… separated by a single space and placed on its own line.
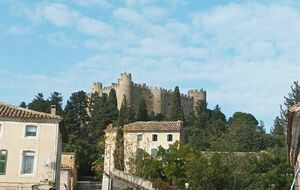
x=148 y=136
x=68 y=172
x=158 y=100
x=293 y=140
x=30 y=148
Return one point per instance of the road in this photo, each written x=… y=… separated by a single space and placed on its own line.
x=88 y=185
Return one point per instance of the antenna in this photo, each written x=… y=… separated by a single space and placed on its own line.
x=125 y=67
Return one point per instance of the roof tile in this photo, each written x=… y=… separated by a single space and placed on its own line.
x=11 y=112
x=153 y=126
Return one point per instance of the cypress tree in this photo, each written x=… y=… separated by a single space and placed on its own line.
x=113 y=105
x=142 y=112
x=119 y=151
x=176 y=109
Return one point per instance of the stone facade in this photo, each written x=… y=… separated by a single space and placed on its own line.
x=158 y=99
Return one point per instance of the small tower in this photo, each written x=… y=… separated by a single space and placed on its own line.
x=197 y=95
x=97 y=87
x=124 y=83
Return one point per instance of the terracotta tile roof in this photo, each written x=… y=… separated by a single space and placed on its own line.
x=158 y=126
x=10 y=112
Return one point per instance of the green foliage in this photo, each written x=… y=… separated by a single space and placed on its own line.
x=23 y=105
x=176 y=109
x=113 y=105
x=77 y=125
x=142 y=112
x=126 y=114
x=56 y=99
x=244 y=134
x=208 y=126
x=156 y=117
x=39 y=103
x=216 y=170
x=119 y=151
x=278 y=133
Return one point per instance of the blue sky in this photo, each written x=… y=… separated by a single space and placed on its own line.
x=244 y=53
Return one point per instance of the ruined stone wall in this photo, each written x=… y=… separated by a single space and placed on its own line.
x=158 y=100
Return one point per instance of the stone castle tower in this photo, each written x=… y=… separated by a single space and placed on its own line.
x=158 y=100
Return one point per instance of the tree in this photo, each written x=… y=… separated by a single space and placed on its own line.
x=176 y=108
x=142 y=112
x=39 y=103
x=278 y=133
x=23 y=105
x=57 y=100
x=119 y=151
x=244 y=134
x=113 y=105
x=77 y=125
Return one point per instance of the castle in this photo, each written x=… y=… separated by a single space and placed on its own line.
x=158 y=100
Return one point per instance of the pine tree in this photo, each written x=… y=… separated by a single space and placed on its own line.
x=176 y=109
x=142 y=112
x=39 y=103
x=113 y=105
x=23 y=105
x=77 y=124
x=56 y=99
x=278 y=132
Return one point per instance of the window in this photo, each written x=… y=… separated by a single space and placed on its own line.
x=169 y=137
x=28 y=162
x=154 y=137
x=139 y=155
x=140 y=137
x=154 y=152
x=1 y=129
x=30 y=131
x=3 y=158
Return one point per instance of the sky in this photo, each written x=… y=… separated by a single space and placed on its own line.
x=245 y=54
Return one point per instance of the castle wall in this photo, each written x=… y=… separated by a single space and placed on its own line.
x=158 y=100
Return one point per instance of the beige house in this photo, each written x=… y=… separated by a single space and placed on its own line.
x=148 y=136
x=30 y=148
x=293 y=140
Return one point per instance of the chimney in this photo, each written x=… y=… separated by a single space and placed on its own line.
x=53 y=109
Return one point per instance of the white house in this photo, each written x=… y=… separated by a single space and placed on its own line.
x=30 y=148
x=146 y=135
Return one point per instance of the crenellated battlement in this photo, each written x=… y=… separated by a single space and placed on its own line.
x=158 y=99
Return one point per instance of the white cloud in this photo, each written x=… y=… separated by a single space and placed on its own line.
x=18 y=30
x=90 y=3
x=59 y=14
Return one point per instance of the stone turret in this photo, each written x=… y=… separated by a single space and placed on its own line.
x=97 y=87
x=197 y=95
x=124 y=88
